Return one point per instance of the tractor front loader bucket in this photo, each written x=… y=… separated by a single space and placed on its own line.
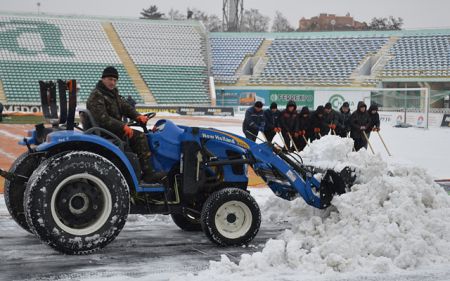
x=286 y=175
x=330 y=185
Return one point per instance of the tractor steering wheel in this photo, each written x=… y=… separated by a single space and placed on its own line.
x=149 y=115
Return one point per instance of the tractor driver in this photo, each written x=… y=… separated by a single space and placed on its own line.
x=108 y=109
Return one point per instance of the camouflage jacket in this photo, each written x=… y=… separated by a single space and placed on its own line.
x=108 y=108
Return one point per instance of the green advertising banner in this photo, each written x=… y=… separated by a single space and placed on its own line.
x=247 y=97
x=301 y=97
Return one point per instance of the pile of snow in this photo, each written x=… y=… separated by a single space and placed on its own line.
x=395 y=218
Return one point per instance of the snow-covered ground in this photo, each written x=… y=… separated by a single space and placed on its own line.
x=393 y=225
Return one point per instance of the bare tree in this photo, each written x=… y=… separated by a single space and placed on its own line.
x=395 y=23
x=254 y=21
x=281 y=24
x=199 y=15
x=175 y=15
x=378 y=24
x=212 y=22
x=390 y=23
x=152 y=13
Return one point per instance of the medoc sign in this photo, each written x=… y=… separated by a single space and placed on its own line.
x=337 y=98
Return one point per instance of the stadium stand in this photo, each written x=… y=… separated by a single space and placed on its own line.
x=227 y=55
x=33 y=49
x=416 y=56
x=332 y=59
x=172 y=59
x=316 y=61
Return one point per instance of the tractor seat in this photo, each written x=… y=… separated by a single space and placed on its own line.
x=87 y=121
x=90 y=126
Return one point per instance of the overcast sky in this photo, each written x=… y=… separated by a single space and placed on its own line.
x=416 y=13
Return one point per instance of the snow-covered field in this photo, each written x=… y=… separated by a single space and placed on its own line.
x=393 y=225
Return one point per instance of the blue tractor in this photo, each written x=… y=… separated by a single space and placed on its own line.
x=75 y=186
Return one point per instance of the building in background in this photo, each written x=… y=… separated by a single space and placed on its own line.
x=331 y=22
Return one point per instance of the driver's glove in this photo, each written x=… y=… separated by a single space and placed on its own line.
x=142 y=119
x=127 y=131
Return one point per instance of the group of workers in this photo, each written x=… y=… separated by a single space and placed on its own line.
x=298 y=128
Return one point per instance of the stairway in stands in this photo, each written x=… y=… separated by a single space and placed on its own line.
x=206 y=51
x=376 y=63
x=2 y=93
x=259 y=61
x=128 y=63
x=385 y=56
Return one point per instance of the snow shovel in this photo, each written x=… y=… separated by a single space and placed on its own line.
x=384 y=143
x=284 y=142
x=367 y=139
x=305 y=140
x=292 y=141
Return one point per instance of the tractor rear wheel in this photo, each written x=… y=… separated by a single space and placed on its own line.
x=77 y=202
x=14 y=190
x=231 y=217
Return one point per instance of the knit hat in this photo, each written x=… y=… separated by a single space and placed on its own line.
x=273 y=105
x=110 y=71
x=258 y=104
x=345 y=104
x=328 y=105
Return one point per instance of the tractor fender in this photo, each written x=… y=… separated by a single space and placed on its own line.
x=73 y=140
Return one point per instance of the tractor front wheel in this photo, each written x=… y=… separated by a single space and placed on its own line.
x=231 y=217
